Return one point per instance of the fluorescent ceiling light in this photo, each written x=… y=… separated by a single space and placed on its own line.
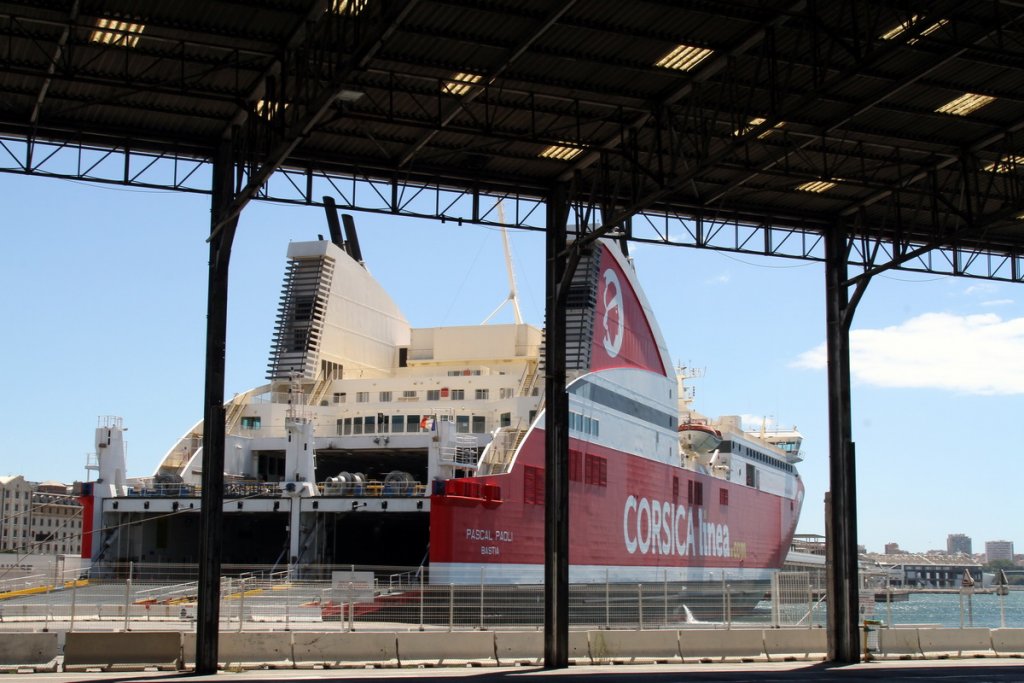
x=116 y=32
x=816 y=186
x=754 y=123
x=684 y=57
x=460 y=83
x=350 y=6
x=561 y=151
x=965 y=104
x=1008 y=163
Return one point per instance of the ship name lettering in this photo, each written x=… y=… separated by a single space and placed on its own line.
x=490 y=550
x=479 y=535
x=663 y=528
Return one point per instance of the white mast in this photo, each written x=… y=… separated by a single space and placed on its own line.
x=513 y=294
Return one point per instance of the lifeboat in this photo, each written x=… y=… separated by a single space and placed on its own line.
x=699 y=437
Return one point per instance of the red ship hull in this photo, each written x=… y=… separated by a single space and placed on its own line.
x=631 y=519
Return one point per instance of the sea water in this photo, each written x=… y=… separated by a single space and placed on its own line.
x=953 y=610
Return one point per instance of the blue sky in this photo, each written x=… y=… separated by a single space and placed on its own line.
x=105 y=302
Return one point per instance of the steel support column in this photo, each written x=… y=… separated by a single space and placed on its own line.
x=843 y=634
x=212 y=511
x=556 y=435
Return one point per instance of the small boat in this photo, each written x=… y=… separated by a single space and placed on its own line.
x=699 y=437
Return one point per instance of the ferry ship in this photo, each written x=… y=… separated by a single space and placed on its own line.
x=375 y=443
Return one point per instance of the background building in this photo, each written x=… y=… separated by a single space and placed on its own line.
x=892 y=549
x=39 y=519
x=998 y=550
x=958 y=543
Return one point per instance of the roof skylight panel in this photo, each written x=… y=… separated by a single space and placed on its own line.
x=967 y=103
x=110 y=31
x=684 y=57
x=460 y=83
x=897 y=31
x=754 y=123
x=563 y=151
x=816 y=186
x=347 y=6
x=1006 y=164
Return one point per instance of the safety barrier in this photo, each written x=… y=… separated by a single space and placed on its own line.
x=958 y=641
x=438 y=648
x=244 y=650
x=36 y=651
x=579 y=647
x=1008 y=642
x=721 y=643
x=344 y=649
x=84 y=649
x=634 y=646
x=903 y=642
x=519 y=647
x=789 y=643
x=254 y=649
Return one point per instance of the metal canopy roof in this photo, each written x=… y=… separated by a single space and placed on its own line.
x=795 y=115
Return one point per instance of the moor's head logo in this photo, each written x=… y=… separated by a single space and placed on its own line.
x=614 y=320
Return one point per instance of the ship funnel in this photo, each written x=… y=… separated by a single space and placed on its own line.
x=331 y=209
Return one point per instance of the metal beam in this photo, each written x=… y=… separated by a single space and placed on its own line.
x=556 y=439
x=474 y=92
x=300 y=125
x=841 y=525
x=212 y=504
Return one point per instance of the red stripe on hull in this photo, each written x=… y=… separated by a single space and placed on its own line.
x=615 y=524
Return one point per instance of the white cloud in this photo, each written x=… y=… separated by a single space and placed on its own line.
x=720 y=279
x=979 y=288
x=975 y=354
x=753 y=423
x=997 y=302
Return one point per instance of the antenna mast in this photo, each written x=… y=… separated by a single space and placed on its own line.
x=513 y=295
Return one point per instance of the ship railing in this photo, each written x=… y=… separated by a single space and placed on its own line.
x=371 y=489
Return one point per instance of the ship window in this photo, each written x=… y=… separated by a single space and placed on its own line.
x=409 y=395
x=479 y=424
x=397 y=424
x=462 y=424
x=357 y=426
x=433 y=394
x=751 y=475
x=695 y=492
x=723 y=496
x=339 y=397
x=412 y=423
x=458 y=394
x=597 y=470
x=575 y=465
x=369 y=424
x=533 y=485
x=505 y=392
x=250 y=423
x=533 y=416
x=505 y=419
x=596 y=424
x=483 y=394
x=675 y=489
x=362 y=397
x=385 y=397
